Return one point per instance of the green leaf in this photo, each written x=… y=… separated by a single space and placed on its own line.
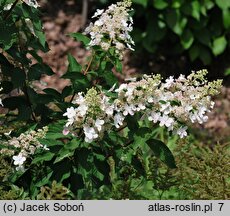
x=80 y=81
x=68 y=90
x=171 y=18
x=53 y=92
x=196 y=7
x=44 y=181
x=7 y=87
x=38 y=32
x=187 y=39
x=180 y=26
x=175 y=21
x=72 y=145
x=118 y=65
x=83 y=159
x=223 y=4
x=140 y=136
x=161 y=151
x=219 y=45
x=18 y=77
x=110 y=78
x=55 y=135
x=14 y=102
x=144 y=3
x=36 y=56
x=62 y=170
x=175 y=103
x=177 y=3
x=80 y=37
x=44 y=156
x=138 y=165
x=194 y=52
x=73 y=76
x=203 y=36
x=44 y=99
x=74 y=66
x=226 y=18
x=41 y=37
x=160 y=4
x=227 y=72
x=7 y=34
x=205 y=55
x=24 y=113
x=63 y=153
x=35 y=72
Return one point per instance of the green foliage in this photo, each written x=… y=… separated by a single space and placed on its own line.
x=199 y=29
x=21 y=37
x=204 y=171
x=7 y=190
x=162 y=151
x=128 y=163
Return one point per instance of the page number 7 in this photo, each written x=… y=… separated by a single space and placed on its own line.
x=221 y=205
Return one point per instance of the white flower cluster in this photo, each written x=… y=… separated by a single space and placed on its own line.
x=7 y=7
x=92 y=116
x=32 y=3
x=23 y=146
x=112 y=28
x=171 y=104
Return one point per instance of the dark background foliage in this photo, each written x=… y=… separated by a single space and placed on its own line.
x=178 y=36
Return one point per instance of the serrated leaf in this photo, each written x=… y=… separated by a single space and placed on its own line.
x=219 y=45
x=161 y=151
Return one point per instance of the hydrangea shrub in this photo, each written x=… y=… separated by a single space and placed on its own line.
x=83 y=135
